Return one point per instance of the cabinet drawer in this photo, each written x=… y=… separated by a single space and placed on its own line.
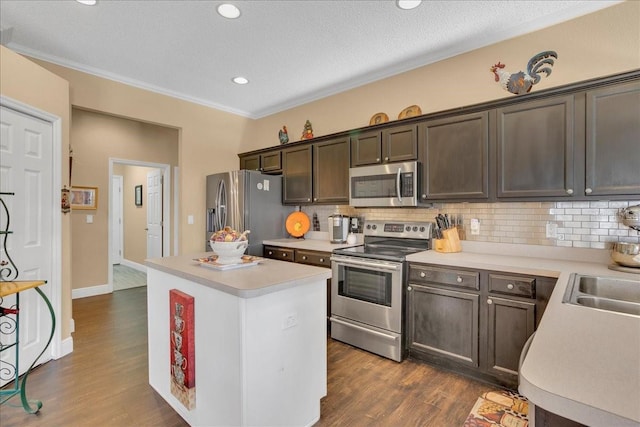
x=283 y=254
x=457 y=278
x=513 y=285
x=321 y=259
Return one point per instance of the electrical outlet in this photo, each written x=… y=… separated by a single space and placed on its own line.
x=289 y=321
x=475 y=226
x=552 y=230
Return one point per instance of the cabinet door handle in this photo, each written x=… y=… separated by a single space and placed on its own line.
x=569 y=191
x=315 y=199
x=321 y=259
x=284 y=255
x=308 y=200
x=270 y=253
x=424 y=196
x=459 y=279
x=423 y=274
x=510 y=286
x=377 y=160
x=409 y=288
x=386 y=159
x=489 y=301
x=588 y=190
x=304 y=257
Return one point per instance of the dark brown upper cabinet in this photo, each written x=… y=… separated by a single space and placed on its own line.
x=297 y=181
x=394 y=144
x=535 y=149
x=270 y=162
x=454 y=153
x=612 y=160
x=331 y=171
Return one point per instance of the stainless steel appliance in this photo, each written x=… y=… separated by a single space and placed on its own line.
x=388 y=185
x=338 y=228
x=246 y=200
x=367 y=291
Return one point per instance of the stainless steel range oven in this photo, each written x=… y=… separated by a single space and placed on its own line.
x=367 y=286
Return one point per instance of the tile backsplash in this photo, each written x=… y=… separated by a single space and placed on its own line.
x=591 y=224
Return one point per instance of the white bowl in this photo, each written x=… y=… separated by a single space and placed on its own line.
x=229 y=252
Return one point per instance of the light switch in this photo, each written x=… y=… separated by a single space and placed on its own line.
x=89 y=219
x=266 y=185
x=190 y=219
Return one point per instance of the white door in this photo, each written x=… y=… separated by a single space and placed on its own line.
x=26 y=170
x=154 y=214
x=116 y=219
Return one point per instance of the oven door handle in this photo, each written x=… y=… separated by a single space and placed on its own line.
x=359 y=263
x=360 y=328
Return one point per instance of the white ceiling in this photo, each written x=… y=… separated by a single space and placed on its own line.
x=293 y=52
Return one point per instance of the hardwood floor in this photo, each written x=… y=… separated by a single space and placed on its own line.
x=104 y=382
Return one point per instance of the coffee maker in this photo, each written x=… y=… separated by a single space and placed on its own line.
x=338 y=228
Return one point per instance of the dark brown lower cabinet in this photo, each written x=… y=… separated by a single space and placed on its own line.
x=549 y=419
x=510 y=324
x=475 y=322
x=444 y=323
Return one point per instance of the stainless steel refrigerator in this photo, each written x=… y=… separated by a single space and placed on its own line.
x=246 y=200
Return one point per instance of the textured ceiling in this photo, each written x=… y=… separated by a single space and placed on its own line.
x=292 y=51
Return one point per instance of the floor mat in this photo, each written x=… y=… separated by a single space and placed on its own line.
x=499 y=409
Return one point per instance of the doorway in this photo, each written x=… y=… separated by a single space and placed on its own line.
x=145 y=219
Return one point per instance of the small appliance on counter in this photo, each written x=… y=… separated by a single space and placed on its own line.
x=625 y=255
x=338 y=228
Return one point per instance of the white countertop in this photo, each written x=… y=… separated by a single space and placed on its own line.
x=317 y=241
x=268 y=276
x=583 y=364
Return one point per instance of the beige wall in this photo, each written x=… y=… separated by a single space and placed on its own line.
x=24 y=81
x=209 y=140
x=134 y=217
x=95 y=138
x=595 y=45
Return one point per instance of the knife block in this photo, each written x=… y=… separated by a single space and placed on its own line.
x=450 y=243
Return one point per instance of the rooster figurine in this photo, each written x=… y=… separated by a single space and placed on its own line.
x=521 y=82
x=283 y=135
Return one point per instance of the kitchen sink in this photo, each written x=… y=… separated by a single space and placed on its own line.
x=604 y=293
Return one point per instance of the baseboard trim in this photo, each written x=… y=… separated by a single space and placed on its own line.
x=66 y=347
x=90 y=291
x=134 y=265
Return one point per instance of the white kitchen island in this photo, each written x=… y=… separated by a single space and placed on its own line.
x=260 y=340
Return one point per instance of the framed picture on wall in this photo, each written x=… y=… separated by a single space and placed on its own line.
x=138 y=195
x=84 y=198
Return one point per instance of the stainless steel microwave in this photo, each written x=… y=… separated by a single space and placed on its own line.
x=388 y=185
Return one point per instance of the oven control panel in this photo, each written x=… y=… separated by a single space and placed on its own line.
x=412 y=230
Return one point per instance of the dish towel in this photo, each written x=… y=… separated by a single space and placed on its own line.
x=499 y=409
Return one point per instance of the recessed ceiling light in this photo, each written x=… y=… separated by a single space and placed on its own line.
x=240 y=80
x=408 y=4
x=228 y=11
x=87 y=2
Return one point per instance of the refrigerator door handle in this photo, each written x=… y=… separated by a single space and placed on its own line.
x=211 y=213
x=221 y=206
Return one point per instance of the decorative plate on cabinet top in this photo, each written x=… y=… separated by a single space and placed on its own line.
x=410 y=111
x=297 y=224
x=378 y=118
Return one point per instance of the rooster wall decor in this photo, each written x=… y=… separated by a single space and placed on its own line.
x=522 y=82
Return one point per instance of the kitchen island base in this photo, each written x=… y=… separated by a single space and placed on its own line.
x=259 y=360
